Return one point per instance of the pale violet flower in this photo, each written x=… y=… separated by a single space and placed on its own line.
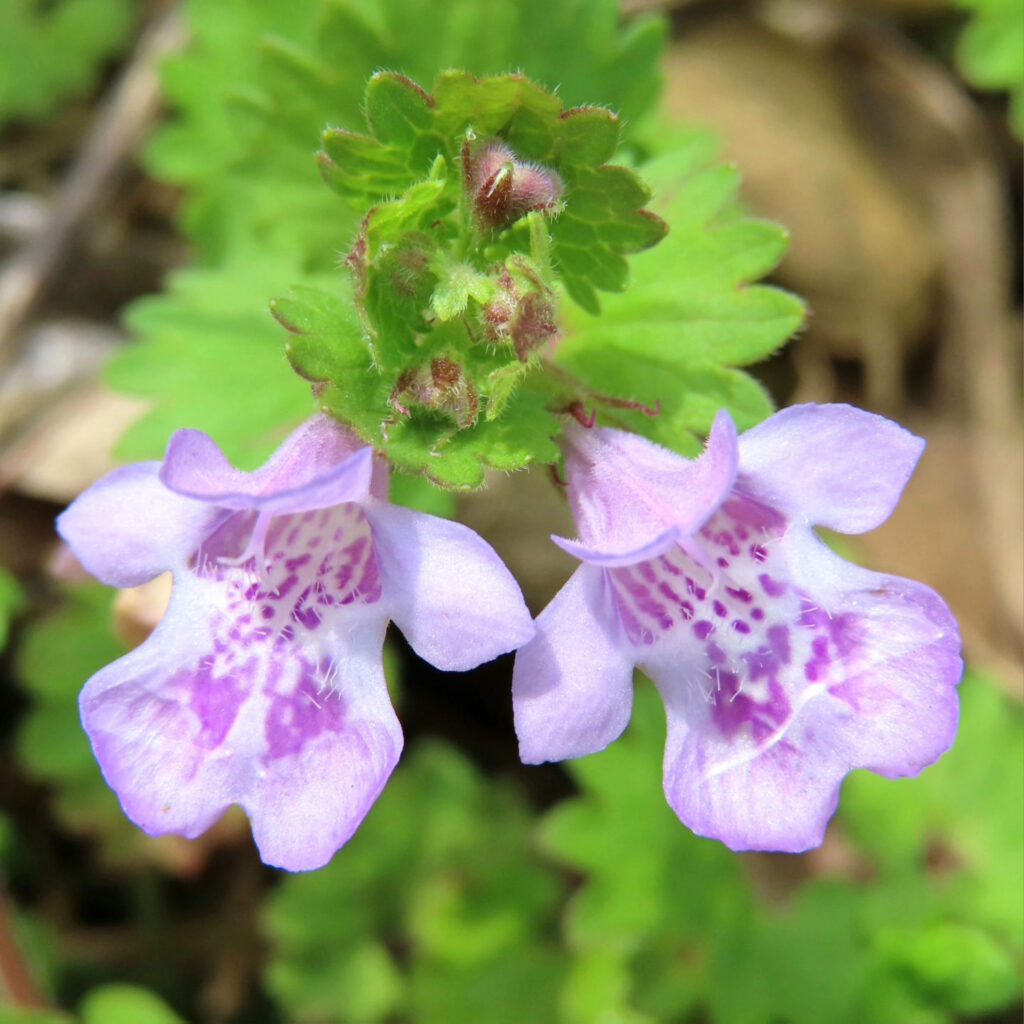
x=781 y=665
x=262 y=685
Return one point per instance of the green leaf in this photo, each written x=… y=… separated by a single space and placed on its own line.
x=991 y=51
x=213 y=359
x=691 y=313
x=590 y=136
x=328 y=339
x=471 y=907
x=84 y=33
x=676 y=402
x=457 y=284
x=56 y=657
x=12 y=602
x=397 y=109
x=125 y=1004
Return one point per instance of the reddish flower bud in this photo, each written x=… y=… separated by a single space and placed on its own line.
x=442 y=387
x=505 y=188
x=527 y=320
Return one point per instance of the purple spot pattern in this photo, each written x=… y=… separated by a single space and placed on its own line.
x=723 y=608
x=315 y=565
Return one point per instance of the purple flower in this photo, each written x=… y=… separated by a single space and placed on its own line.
x=781 y=666
x=262 y=685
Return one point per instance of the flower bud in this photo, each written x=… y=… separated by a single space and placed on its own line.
x=525 y=319
x=442 y=387
x=504 y=188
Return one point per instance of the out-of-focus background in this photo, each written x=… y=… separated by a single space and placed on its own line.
x=885 y=136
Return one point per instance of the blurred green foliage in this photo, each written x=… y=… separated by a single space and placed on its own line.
x=56 y=657
x=358 y=344
x=910 y=914
x=991 y=51
x=886 y=934
x=12 y=601
x=51 y=51
x=109 y=1004
x=440 y=910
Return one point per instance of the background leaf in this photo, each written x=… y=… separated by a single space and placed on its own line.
x=991 y=51
x=49 y=52
x=470 y=909
x=682 y=924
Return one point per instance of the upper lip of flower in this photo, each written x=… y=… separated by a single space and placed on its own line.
x=186 y=470
x=659 y=498
x=659 y=545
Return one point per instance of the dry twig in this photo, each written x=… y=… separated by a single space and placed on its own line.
x=115 y=134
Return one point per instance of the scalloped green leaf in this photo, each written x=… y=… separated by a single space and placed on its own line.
x=209 y=337
x=677 y=401
x=397 y=109
x=691 y=313
x=328 y=340
x=256 y=85
x=590 y=136
x=602 y=217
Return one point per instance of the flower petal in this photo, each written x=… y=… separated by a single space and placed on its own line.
x=658 y=546
x=319 y=464
x=332 y=749
x=866 y=681
x=903 y=698
x=303 y=736
x=625 y=491
x=829 y=465
x=572 y=686
x=446 y=588
x=780 y=801
x=127 y=528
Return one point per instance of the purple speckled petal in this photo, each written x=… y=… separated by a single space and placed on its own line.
x=127 y=528
x=782 y=667
x=331 y=750
x=303 y=737
x=779 y=801
x=321 y=463
x=262 y=688
x=861 y=672
x=829 y=465
x=446 y=588
x=626 y=491
x=572 y=686
x=897 y=664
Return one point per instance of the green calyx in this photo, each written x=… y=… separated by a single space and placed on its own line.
x=487 y=205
